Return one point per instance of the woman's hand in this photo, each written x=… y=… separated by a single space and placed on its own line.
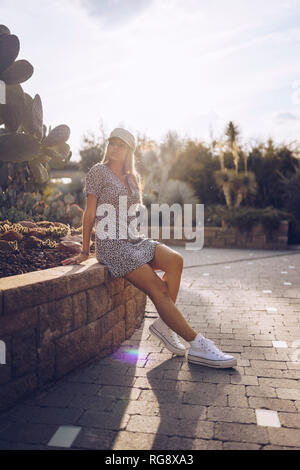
x=75 y=259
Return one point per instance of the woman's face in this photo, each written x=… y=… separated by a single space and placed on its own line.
x=117 y=149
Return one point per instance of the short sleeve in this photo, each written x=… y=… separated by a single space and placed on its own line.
x=94 y=181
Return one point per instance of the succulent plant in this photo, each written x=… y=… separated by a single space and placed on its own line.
x=75 y=215
x=12 y=72
x=24 y=137
x=69 y=199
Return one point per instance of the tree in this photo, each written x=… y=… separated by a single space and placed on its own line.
x=232 y=133
x=291 y=200
x=235 y=186
x=196 y=165
x=270 y=164
x=93 y=148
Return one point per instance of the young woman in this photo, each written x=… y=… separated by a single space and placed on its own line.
x=137 y=258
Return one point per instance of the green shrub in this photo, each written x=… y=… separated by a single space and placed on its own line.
x=245 y=218
x=213 y=215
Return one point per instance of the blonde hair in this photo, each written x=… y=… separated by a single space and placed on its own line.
x=129 y=169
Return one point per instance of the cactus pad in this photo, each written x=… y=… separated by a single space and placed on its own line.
x=9 y=50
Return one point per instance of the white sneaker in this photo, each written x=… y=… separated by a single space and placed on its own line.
x=203 y=351
x=167 y=336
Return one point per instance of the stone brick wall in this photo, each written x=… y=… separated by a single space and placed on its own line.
x=231 y=237
x=54 y=320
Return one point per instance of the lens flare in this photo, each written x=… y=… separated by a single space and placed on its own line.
x=126 y=354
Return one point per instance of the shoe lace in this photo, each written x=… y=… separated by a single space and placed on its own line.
x=174 y=336
x=209 y=346
x=205 y=344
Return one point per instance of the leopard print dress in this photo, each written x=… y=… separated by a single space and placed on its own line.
x=119 y=255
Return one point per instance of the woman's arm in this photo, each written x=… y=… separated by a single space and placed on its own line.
x=88 y=221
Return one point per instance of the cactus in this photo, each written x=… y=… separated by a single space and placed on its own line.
x=38 y=170
x=18 y=72
x=4 y=29
x=9 y=50
x=75 y=215
x=61 y=210
x=69 y=199
x=4 y=175
x=57 y=135
x=24 y=138
x=29 y=201
x=13 y=111
x=57 y=207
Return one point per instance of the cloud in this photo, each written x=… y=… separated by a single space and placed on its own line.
x=286 y=116
x=114 y=13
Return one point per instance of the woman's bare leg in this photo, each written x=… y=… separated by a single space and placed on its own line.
x=145 y=279
x=168 y=260
x=173 y=317
x=173 y=283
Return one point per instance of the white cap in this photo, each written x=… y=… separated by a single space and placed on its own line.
x=124 y=135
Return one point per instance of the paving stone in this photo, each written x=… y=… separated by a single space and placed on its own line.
x=260 y=391
x=273 y=447
x=240 y=446
x=172 y=426
x=95 y=439
x=103 y=420
x=134 y=407
x=161 y=396
x=241 y=433
x=272 y=404
x=184 y=411
x=43 y=415
x=290 y=420
x=127 y=440
x=148 y=383
x=28 y=433
x=297 y=404
x=180 y=443
x=111 y=378
x=288 y=393
x=237 y=401
x=276 y=373
x=245 y=380
x=268 y=364
x=124 y=393
x=279 y=383
x=213 y=399
x=230 y=414
x=284 y=436
x=95 y=403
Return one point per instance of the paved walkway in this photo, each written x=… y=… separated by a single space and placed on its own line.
x=142 y=397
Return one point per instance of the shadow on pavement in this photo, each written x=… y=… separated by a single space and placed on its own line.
x=184 y=402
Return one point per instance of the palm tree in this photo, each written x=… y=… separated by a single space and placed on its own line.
x=244 y=184
x=232 y=133
x=224 y=179
x=220 y=145
x=236 y=156
x=235 y=186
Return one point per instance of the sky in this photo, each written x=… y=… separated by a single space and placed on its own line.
x=153 y=66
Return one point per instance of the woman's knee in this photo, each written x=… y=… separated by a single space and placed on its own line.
x=158 y=288
x=145 y=279
x=177 y=261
